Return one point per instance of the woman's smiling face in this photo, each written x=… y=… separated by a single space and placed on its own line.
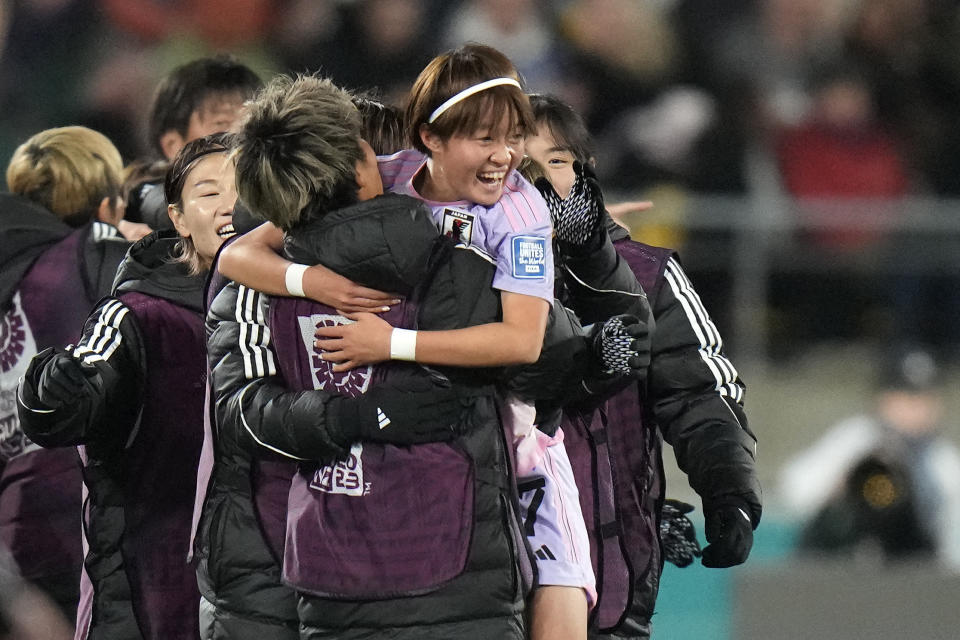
x=472 y=167
x=556 y=161
x=208 y=197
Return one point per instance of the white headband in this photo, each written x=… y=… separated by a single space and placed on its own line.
x=469 y=91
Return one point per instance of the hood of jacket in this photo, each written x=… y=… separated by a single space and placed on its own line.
x=150 y=268
x=383 y=243
x=28 y=230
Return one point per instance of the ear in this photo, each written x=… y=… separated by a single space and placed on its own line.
x=430 y=140
x=110 y=214
x=176 y=217
x=171 y=142
x=367 y=173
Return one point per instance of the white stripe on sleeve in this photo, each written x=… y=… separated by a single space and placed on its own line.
x=105 y=337
x=711 y=344
x=258 y=359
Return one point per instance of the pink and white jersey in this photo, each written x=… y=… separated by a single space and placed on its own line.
x=515 y=233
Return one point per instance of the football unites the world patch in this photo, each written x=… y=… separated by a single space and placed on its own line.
x=458 y=225
x=529 y=256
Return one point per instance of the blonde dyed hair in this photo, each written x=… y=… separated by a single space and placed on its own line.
x=67 y=170
x=298 y=149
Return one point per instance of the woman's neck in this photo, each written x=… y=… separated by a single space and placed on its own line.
x=429 y=183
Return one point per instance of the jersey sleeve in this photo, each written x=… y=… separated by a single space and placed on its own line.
x=522 y=240
x=397 y=170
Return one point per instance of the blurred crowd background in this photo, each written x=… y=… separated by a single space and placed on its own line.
x=803 y=155
x=823 y=132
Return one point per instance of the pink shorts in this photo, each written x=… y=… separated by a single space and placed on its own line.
x=553 y=522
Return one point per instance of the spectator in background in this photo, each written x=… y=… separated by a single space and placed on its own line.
x=841 y=151
x=4 y=24
x=908 y=47
x=155 y=20
x=196 y=99
x=519 y=29
x=59 y=253
x=624 y=55
x=846 y=173
x=886 y=477
x=46 y=44
x=381 y=44
x=135 y=41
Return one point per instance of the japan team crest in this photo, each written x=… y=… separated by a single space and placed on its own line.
x=458 y=225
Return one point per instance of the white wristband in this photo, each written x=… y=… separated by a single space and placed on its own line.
x=294 y=279
x=403 y=345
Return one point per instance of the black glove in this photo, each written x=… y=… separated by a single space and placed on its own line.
x=407 y=408
x=622 y=345
x=677 y=535
x=575 y=218
x=63 y=380
x=729 y=531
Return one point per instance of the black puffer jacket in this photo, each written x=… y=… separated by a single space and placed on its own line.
x=138 y=422
x=693 y=400
x=390 y=243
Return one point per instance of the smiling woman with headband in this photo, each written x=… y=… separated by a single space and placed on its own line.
x=467 y=117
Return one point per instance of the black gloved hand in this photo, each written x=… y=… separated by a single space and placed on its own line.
x=407 y=408
x=677 y=534
x=729 y=531
x=622 y=345
x=575 y=218
x=62 y=380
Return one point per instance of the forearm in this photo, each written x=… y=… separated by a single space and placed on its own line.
x=600 y=284
x=66 y=425
x=486 y=345
x=109 y=360
x=291 y=423
x=253 y=260
x=516 y=339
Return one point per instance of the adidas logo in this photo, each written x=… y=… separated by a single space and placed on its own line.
x=544 y=553
x=382 y=418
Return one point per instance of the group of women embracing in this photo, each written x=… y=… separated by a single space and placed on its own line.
x=352 y=418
